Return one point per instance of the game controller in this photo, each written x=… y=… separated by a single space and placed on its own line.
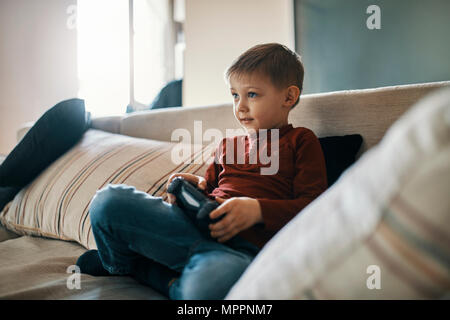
x=193 y=202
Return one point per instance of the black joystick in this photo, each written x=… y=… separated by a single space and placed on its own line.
x=193 y=202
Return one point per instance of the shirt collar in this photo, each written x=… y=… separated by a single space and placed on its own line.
x=282 y=131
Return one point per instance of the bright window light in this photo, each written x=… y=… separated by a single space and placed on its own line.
x=103 y=55
x=151 y=65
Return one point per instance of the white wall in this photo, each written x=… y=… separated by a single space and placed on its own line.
x=38 y=66
x=217 y=31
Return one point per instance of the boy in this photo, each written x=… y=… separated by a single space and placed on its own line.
x=157 y=244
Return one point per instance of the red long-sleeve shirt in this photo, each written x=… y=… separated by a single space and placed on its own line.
x=300 y=178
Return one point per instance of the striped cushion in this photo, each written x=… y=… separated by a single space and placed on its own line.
x=56 y=203
x=381 y=232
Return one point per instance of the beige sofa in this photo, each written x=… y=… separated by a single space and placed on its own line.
x=36 y=267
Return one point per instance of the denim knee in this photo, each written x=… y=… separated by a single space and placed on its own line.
x=209 y=275
x=104 y=205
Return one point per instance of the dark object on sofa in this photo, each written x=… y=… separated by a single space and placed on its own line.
x=195 y=204
x=340 y=153
x=55 y=132
x=169 y=96
x=6 y=195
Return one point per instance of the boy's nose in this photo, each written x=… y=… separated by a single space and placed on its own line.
x=242 y=105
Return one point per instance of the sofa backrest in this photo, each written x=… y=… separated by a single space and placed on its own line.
x=369 y=112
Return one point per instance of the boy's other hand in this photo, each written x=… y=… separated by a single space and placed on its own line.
x=199 y=181
x=241 y=214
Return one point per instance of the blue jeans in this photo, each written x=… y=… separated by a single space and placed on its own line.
x=129 y=224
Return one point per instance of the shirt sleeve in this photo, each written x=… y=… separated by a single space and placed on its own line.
x=213 y=170
x=309 y=182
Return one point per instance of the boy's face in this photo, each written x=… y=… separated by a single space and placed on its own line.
x=257 y=103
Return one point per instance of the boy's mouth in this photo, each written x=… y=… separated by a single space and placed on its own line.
x=246 y=120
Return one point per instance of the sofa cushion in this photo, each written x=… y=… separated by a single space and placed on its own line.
x=56 y=203
x=381 y=232
x=339 y=153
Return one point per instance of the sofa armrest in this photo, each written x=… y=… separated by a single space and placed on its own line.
x=109 y=123
x=160 y=124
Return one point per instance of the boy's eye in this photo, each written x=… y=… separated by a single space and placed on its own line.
x=250 y=95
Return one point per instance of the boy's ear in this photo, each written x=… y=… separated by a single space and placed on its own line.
x=292 y=94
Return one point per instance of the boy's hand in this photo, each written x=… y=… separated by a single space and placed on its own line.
x=199 y=181
x=241 y=214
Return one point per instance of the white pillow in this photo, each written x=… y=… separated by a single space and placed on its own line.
x=385 y=223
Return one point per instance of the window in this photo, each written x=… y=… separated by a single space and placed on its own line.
x=124 y=59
